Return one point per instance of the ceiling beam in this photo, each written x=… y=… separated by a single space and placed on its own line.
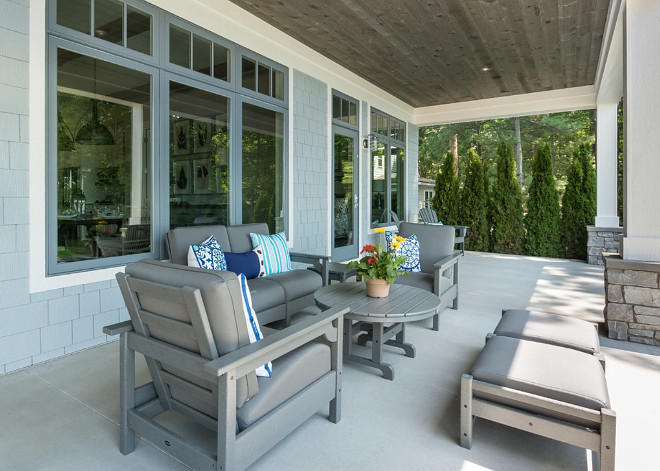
x=553 y=101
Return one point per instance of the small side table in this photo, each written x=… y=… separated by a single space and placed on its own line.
x=339 y=271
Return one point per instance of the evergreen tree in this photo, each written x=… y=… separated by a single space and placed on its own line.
x=507 y=212
x=474 y=205
x=542 y=220
x=588 y=183
x=445 y=200
x=573 y=203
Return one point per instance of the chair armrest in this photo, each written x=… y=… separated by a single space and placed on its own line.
x=119 y=328
x=247 y=358
x=444 y=263
x=320 y=263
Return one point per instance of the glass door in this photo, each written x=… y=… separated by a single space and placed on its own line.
x=345 y=191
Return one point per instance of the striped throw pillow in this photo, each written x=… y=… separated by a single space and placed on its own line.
x=254 y=331
x=275 y=252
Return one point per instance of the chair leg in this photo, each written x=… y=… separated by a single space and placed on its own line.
x=607 y=439
x=436 y=322
x=466 y=411
x=126 y=394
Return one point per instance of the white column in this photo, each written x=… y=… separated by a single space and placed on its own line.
x=641 y=131
x=606 y=165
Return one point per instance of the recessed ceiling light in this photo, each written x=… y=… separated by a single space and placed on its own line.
x=486 y=68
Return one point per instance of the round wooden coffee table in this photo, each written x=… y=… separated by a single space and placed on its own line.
x=370 y=315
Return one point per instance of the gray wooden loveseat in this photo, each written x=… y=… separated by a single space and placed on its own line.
x=275 y=297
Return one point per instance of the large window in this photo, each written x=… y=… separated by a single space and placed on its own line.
x=149 y=129
x=387 y=169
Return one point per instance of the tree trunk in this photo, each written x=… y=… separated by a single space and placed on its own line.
x=454 y=150
x=518 y=150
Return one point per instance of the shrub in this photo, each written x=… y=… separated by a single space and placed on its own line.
x=445 y=200
x=573 y=203
x=542 y=220
x=474 y=205
x=508 y=235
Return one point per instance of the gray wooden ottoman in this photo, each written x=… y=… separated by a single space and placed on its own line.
x=549 y=328
x=552 y=391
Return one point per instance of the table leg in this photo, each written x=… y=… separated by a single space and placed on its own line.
x=348 y=336
x=400 y=342
x=377 y=351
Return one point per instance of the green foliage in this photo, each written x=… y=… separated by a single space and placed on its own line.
x=379 y=263
x=474 y=205
x=542 y=221
x=578 y=204
x=445 y=201
x=573 y=231
x=508 y=233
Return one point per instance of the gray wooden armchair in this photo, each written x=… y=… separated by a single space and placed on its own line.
x=189 y=325
x=439 y=263
x=429 y=216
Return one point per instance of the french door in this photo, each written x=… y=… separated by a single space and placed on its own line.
x=345 y=194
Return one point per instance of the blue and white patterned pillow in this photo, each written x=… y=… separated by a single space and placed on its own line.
x=275 y=252
x=254 y=331
x=208 y=255
x=409 y=248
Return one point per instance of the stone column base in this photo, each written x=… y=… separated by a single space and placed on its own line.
x=632 y=307
x=602 y=240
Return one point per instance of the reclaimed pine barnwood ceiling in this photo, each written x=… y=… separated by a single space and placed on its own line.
x=432 y=52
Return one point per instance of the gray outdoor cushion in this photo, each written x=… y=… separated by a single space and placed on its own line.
x=179 y=239
x=291 y=373
x=222 y=298
x=435 y=242
x=549 y=328
x=239 y=236
x=297 y=283
x=265 y=293
x=424 y=281
x=545 y=370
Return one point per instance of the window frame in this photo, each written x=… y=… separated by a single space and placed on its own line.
x=162 y=72
x=388 y=141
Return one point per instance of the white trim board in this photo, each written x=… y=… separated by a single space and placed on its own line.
x=552 y=101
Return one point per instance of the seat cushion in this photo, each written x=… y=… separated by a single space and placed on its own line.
x=265 y=294
x=293 y=372
x=549 y=328
x=297 y=283
x=545 y=370
x=424 y=281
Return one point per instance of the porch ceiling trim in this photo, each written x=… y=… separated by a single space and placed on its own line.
x=567 y=99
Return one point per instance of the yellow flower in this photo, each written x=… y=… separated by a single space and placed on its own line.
x=396 y=244
x=379 y=230
x=399 y=238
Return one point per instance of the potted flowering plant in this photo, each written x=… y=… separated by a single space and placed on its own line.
x=379 y=267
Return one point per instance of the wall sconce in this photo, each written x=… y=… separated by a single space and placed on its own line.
x=370 y=142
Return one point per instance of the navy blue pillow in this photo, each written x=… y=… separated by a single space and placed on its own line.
x=246 y=263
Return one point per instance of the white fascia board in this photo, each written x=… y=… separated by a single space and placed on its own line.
x=232 y=22
x=552 y=101
x=609 y=73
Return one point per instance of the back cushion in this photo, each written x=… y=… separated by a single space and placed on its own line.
x=239 y=236
x=435 y=242
x=222 y=298
x=179 y=239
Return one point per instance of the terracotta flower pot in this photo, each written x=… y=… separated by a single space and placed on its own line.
x=377 y=288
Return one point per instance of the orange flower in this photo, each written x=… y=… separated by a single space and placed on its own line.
x=368 y=248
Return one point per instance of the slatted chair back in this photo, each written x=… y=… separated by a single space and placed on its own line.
x=137 y=239
x=428 y=215
x=395 y=218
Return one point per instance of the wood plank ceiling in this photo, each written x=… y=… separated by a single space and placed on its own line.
x=432 y=52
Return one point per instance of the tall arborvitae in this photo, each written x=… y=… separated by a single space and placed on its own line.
x=445 y=200
x=573 y=203
x=542 y=220
x=508 y=235
x=579 y=203
x=474 y=205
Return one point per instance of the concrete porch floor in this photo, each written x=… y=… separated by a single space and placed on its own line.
x=63 y=414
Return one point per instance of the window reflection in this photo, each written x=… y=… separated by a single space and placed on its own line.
x=378 y=189
x=263 y=167
x=103 y=171
x=199 y=156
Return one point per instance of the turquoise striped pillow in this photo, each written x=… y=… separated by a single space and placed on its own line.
x=275 y=252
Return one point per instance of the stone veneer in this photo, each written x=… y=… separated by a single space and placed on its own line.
x=602 y=240
x=632 y=308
